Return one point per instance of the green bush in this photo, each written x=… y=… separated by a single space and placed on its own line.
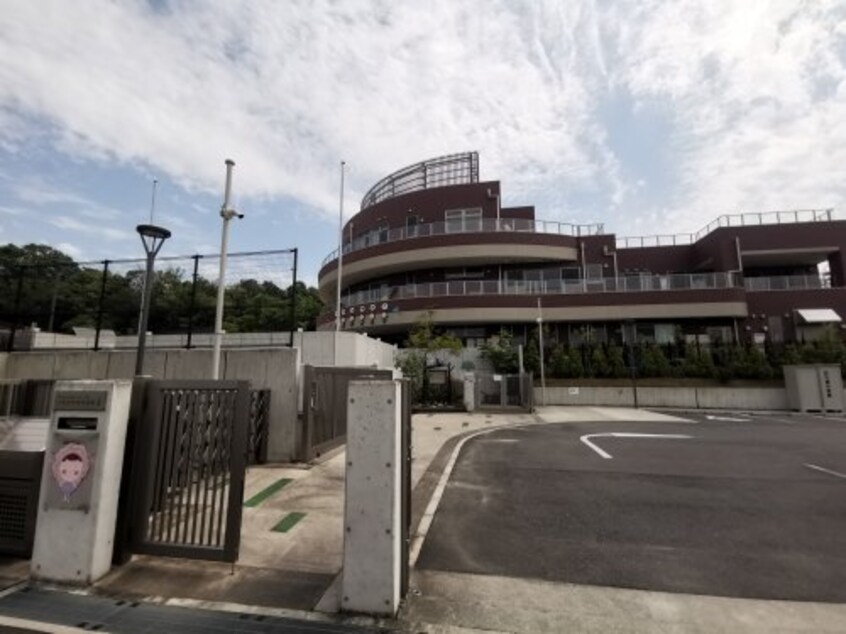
x=617 y=367
x=531 y=356
x=599 y=366
x=653 y=362
x=502 y=353
x=566 y=363
x=698 y=362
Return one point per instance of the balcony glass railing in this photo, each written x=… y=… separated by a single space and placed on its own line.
x=480 y=225
x=728 y=220
x=627 y=284
x=787 y=283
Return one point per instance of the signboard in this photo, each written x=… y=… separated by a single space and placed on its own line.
x=573 y=391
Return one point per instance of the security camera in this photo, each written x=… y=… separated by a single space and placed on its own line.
x=229 y=214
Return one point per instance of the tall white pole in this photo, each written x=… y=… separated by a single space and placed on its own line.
x=340 y=252
x=540 y=346
x=227 y=215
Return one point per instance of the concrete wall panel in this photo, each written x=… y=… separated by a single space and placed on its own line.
x=684 y=397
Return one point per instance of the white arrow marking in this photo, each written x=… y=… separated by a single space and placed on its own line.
x=828 y=471
x=586 y=440
x=727 y=419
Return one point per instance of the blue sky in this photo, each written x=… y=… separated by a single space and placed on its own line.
x=649 y=116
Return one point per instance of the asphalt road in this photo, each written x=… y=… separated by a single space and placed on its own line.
x=731 y=511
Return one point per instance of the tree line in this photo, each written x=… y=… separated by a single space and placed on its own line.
x=721 y=361
x=41 y=285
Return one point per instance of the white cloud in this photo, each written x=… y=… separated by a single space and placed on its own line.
x=757 y=91
x=754 y=93
x=288 y=90
x=72 y=224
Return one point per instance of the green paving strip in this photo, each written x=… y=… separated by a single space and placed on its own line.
x=288 y=522
x=261 y=496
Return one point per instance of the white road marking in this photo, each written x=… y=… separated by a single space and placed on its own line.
x=824 y=470
x=727 y=419
x=604 y=454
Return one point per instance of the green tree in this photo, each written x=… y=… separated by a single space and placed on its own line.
x=502 y=353
x=653 y=361
x=698 y=362
x=617 y=367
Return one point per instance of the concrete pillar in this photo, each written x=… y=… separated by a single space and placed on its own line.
x=372 y=537
x=469 y=391
x=80 y=484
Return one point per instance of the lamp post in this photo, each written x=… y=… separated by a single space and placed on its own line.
x=540 y=349
x=152 y=237
x=227 y=214
x=340 y=252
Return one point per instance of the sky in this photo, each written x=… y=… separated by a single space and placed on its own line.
x=649 y=116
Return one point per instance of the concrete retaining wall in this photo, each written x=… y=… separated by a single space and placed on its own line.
x=270 y=368
x=698 y=397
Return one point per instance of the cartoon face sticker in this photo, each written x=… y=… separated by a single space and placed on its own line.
x=70 y=466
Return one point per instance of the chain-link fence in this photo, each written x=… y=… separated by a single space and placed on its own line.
x=96 y=305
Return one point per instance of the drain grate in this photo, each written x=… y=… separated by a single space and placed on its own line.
x=99 y=614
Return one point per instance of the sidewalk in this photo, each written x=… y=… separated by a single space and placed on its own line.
x=291 y=552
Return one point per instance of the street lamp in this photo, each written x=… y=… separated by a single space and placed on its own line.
x=540 y=347
x=227 y=214
x=152 y=237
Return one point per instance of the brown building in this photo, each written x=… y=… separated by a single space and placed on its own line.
x=431 y=238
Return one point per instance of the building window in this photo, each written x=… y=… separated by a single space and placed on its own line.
x=464 y=274
x=463 y=220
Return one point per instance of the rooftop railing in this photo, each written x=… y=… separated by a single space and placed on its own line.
x=787 y=283
x=728 y=220
x=461 y=226
x=452 y=169
x=626 y=284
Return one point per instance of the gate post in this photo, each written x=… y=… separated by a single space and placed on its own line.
x=128 y=486
x=372 y=575
x=80 y=481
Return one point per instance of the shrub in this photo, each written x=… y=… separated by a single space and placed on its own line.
x=502 y=354
x=653 y=361
x=617 y=367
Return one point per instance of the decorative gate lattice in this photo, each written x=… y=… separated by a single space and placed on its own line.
x=192 y=453
x=259 y=417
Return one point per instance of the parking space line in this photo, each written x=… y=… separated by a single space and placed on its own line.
x=604 y=454
x=828 y=471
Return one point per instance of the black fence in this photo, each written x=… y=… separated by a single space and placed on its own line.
x=95 y=305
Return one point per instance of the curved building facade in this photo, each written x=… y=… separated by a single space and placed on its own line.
x=433 y=239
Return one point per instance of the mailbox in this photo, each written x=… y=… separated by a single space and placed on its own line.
x=80 y=482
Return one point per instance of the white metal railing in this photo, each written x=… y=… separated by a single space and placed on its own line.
x=727 y=220
x=626 y=284
x=467 y=225
x=786 y=283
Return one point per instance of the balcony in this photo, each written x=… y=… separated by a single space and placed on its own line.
x=627 y=284
x=728 y=220
x=483 y=225
x=787 y=283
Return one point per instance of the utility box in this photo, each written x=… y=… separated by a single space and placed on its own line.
x=80 y=481
x=814 y=388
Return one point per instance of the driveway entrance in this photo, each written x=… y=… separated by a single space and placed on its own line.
x=736 y=507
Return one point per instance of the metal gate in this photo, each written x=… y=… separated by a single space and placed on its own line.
x=20 y=484
x=325 y=415
x=503 y=390
x=191 y=453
